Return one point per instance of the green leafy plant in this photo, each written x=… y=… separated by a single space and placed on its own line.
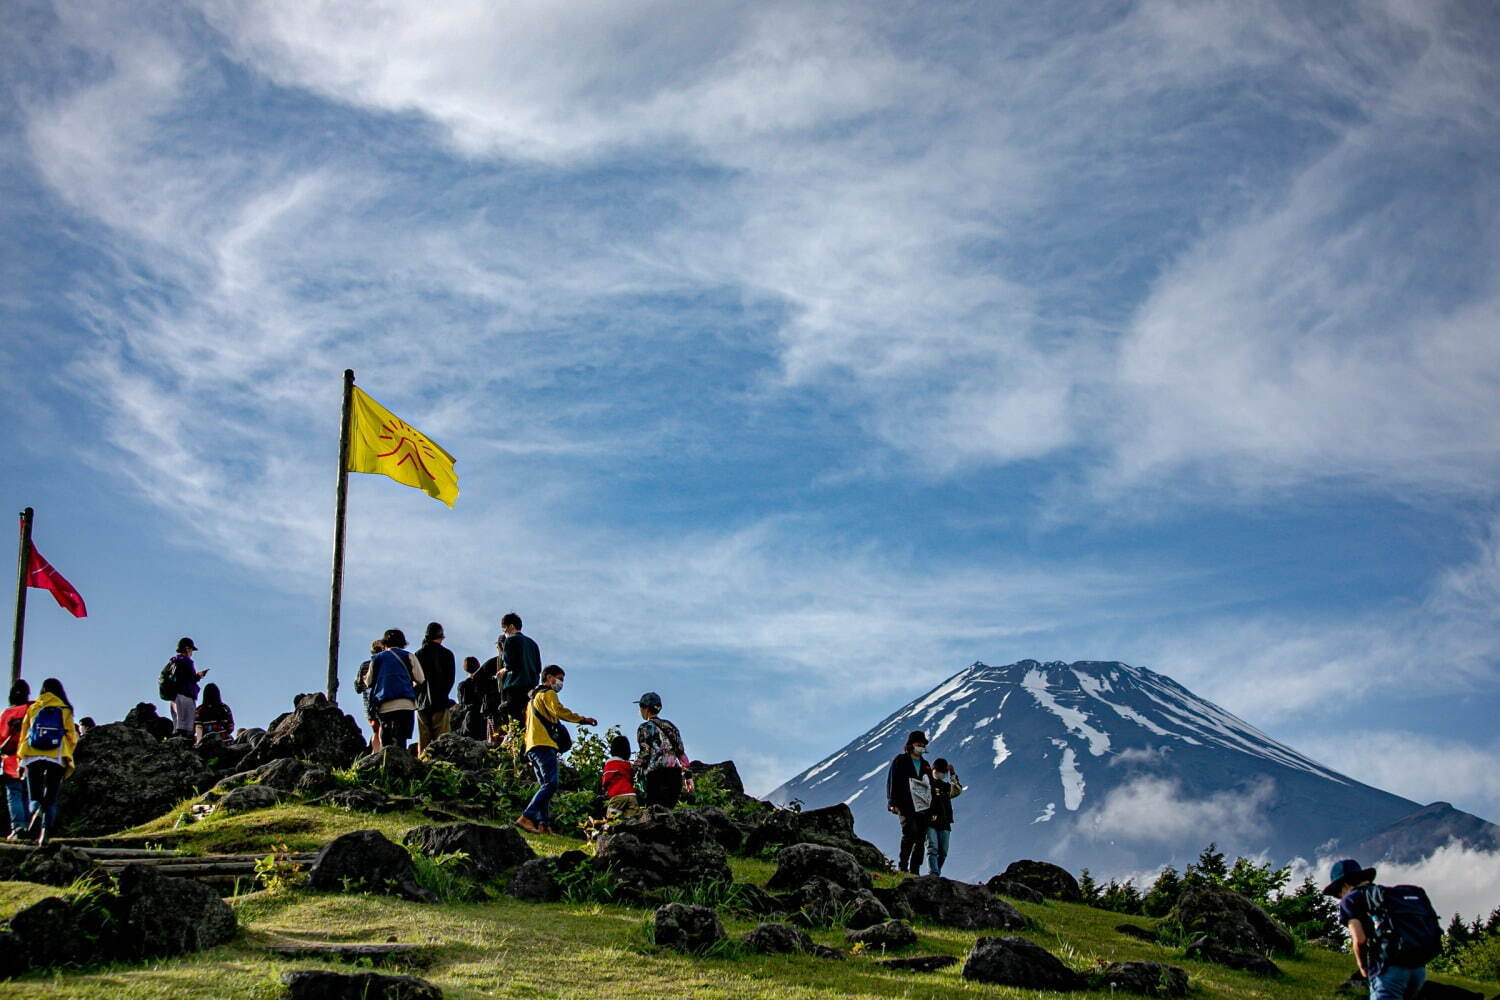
x=587 y=884
x=442 y=875
x=570 y=810
x=278 y=871
x=442 y=781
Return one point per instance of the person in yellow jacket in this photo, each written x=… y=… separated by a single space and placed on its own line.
x=48 y=738
x=542 y=708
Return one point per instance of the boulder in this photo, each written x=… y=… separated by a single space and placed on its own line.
x=917 y=963
x=1229 y=921
x=49 y=935
x=124 y=776
x=358 y=800
x=777 y=939
x=1002 y=886
x=797 y=863
x=831 y=826
x=281 y=774
x=319 y=984
x=818 y=902
x=1046 y=878
x=959 y=904
x=535 y=881
x=315 y=731
x=248 y=798
x=460 y=751
x=315 y=781
x=727 y=774
x=55 y=864
x=491 y=850
x=1136 y=931
x=145 y=717
x=659 y=847
x=1149 y=979
x=892 y=935
x=391 y=768
x=13 y=961
x=895 y=904
x=249 y=739
x=158 y=915
x=686 y=927
x=366 y=861
x=1203 y=949
x=752 y=899
x=1015 y=961
x=726 y=831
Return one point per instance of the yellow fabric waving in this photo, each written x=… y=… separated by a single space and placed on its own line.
x=383 y=444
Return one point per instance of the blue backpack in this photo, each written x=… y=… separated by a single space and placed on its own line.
x=392 y=676
x=1407 y=932
x=46 y=731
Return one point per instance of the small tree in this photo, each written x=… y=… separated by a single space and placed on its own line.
x=1209 y=868
x=1307 y=912
x=1162 y=895
x=1120 y=897
x=1257 y=882
x=1088 y=889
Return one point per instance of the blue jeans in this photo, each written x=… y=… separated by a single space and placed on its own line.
x=1397 y=983
x=17 y=803
x=937 y=850
x=544 y=766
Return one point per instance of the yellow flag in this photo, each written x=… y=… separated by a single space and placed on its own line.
x=382 y=443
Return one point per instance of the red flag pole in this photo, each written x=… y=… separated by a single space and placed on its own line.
x=341 y=504
x=23 y=565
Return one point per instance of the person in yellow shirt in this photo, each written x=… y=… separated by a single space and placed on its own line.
x=48 y=738
x=543 y=710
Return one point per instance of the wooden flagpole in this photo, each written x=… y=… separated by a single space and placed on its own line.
x=23 y=563
x=335 y=605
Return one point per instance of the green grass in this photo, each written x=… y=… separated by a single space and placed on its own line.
x=505 y=948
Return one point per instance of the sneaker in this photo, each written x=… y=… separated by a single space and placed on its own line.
x=528 y=824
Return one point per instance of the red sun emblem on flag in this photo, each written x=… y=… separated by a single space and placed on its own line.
x=409 y=443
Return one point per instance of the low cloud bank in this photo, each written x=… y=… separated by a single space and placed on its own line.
x=1458 y=879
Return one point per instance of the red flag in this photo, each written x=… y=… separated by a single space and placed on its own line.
x=41 y=575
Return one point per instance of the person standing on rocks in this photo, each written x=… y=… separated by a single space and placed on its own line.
x=1394 y=963
x=433 y=703
x=18 y=805
x=48 y=738
x=543 y=712
x=395 y=675
x=520 y=668
x=468 y=713
x=945 y=788
x=662 y=760
x=185 y=678
x=908 y=794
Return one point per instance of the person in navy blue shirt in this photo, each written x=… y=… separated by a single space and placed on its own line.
x=1348 y=883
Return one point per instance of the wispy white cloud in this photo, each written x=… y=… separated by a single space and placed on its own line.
x=1421 y=766
x=1151 y=810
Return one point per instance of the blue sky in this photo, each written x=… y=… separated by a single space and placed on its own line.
x=795 y=355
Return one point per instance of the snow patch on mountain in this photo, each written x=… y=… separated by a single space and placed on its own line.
x=1035 y=682
x=1001 y=750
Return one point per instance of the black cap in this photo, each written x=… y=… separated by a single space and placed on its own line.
x=185 y=645
x=435 y=630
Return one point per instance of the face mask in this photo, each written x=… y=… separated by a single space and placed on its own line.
x=557 y=684
x=920 y=751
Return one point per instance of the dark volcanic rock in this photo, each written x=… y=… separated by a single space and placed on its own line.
x=959 y=904
x=1229 y=921
x=491 y=850
x=55 y=864
x=145 y=717
x=917 y=963
x=832 y=826
x=318 y=984
x=460 y=751
x=819 y=902
x=50 y=935
x=535 y=881
x=895 y=904
x=389 y=767
x=316 y=731
x=685 y=927
x=1050 y=880
x=281 y=774
x=1205 y=950
x=777 y=939
x=365 y=861
x=1136 y=931
x=893 y=935
x=315 y=781
x=358 y=800
x=1355 y=986
x=1002 y=886
x=124 y=776
x=797 y=863
x=1015 y=961
x=659 y=847
x=726 y=831
x=1446 y=991
x=1151 y=979
x=159 y=915
x=248 y=798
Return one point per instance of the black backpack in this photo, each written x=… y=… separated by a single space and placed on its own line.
x=1407 y=932
x=166 y=682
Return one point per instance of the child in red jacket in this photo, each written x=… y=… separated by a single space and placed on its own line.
x=618 y=780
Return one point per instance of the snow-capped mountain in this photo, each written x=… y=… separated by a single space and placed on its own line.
x=1102 y=765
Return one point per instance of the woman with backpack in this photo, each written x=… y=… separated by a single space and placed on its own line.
x=215 y=722
x=662 y=761
x=394 y=676
x=48 y=737
x=17 y=803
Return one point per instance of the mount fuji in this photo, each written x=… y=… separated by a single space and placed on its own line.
x=1118 y=769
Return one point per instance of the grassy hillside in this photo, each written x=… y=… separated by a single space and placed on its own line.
x=506 y=948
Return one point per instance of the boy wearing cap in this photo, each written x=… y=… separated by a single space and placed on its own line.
x=1350 y=884
x=185 y=678
x=662 y=756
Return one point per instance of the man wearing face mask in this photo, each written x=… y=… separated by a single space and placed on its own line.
x=543 y=710
x=908 y=794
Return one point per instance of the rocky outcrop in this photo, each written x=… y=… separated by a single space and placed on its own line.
x=460 y=751
x=832 y=826
x=124 y=776
x=1002 y=886
x=1149 y=979
x=1052 y=881
x=320 y=984
x=159 y=915
x=1015 y=961
x=535 y=881
x=686 y=927
x=776 y=939
x=1203 y=949
x=799 y=862
x=958 y=904
x=55 y=864
x=145 y=717
x=391 y=768
x=659 y=847
x=489 y=851
x=1229 y=921
x=818 y=902
x=315 y=731
x=892 y=935
x=282 y=774
x=365 y=861
x=248 y=798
